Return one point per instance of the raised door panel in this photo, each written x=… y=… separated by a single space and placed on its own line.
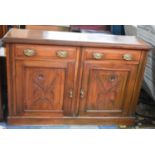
x=107 y=88
x=44 y=88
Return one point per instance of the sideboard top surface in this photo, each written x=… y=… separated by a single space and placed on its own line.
x=74 y=39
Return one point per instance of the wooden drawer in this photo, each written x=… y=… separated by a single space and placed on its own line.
x=111 y=54
x=43 y=51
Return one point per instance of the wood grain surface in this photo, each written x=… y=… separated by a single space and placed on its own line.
x=71 y=78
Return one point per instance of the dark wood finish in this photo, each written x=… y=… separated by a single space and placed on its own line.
x=47 y=27
x=90 y=27
x=77 y=88
x=3 y=30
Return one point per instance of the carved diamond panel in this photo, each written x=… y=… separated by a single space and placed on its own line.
x=45 y=88
x=43 y=92
x=106 y=90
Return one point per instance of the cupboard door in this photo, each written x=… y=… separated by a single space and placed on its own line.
x=107 y=88
x=44 y=88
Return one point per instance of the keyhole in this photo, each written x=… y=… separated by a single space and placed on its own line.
x=113 y=78
x=40 y=77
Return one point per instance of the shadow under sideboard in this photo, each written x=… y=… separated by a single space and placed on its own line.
x=3 y=85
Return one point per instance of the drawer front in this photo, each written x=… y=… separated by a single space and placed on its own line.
x=43 y=51
x=111 y=54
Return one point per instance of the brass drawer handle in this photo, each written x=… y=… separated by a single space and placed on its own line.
x=62 y=54
x=98 y=56
x=29 y=52
x=128 y=57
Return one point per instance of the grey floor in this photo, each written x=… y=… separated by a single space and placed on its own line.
x=4 y=125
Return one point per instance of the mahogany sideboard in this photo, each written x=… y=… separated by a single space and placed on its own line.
x=73 y=78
